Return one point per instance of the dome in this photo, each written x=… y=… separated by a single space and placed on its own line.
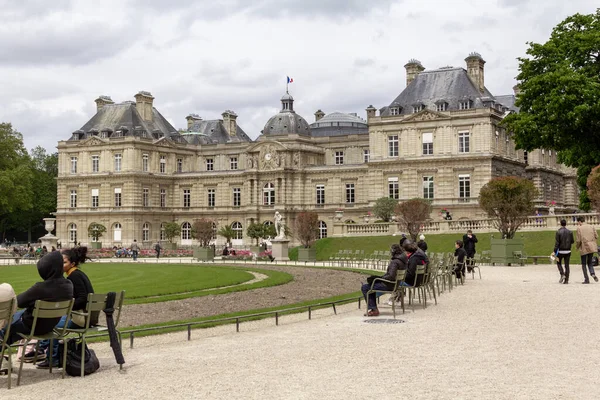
x=286 y=121
x=338 y=123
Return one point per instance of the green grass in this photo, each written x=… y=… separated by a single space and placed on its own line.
x=536 y=244
x=154 y=282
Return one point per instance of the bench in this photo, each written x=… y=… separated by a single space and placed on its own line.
x=16 y=259
x=535 y=258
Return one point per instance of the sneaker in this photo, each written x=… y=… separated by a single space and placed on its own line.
x=29 y=357
x=562 y=279
x=566 y=282
x=373 y=313
x=585 y=282
x=46 y=364
x=595 y=278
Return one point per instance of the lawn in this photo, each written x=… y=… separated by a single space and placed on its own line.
x=536 y=243
x=139 y=280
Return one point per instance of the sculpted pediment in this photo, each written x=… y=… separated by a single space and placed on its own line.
x=425 y=115
x=93 y=141
x=165 y=142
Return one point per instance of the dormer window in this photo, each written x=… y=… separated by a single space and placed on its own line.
x=394 y=111
x=442 y=106
x=464 y=104
x=418 y=108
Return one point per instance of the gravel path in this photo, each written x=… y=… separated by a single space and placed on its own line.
x=308 y=284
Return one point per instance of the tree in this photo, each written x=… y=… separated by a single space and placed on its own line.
x=593 y=187
x=202 y=229
x=95 y=230
x=172 y=230
x=227 y=232
x=384 y=208
x=508 y=201
x=306 y=228
x=412 y=214
x=559 y=96
x=256 y=230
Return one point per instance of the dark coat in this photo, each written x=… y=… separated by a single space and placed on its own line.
x=417 y=258
x=81 y=288
x=469 y=244
x=563 y=240
x=422 y=245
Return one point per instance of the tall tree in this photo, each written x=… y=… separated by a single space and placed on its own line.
x=559 y=96
x=412 y=214
x=16 y=178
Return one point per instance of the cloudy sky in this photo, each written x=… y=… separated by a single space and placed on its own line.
x=208 y=56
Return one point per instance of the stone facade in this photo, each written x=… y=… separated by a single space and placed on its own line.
x=131 y=171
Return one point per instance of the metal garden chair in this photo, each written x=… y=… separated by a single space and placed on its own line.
x=6 y=313
x=396 y=291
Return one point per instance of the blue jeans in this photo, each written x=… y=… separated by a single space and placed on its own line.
x=134 y=254
x=45 y=344
x=16 y=326
x=586 y=260
x=371 y=301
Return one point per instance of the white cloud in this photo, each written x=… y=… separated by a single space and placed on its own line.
x=197 y=57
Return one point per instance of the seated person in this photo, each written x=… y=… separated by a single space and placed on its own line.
x=422 y=244
x=54 y=288
x=415 y=257
x=225 y=251
x=461 y=254
x=395 y=264
x=6 y=293
x=72 y=259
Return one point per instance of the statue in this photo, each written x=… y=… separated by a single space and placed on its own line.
x=279 y=226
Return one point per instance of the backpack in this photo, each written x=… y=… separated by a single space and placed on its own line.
x=73 y=366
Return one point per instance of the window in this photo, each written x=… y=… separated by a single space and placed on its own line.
x=211 y=197
x=73 y=165
x=320 y=195
x=525 y=155
x=366 y=155
x=464 y=187
x=117 y=197
x=350 y=193
x=118 y=159
x=180 y=165
x=237 y=229
x=322 y=230
x=146 y=232
x=463 y=142
x=117 y=229
x=95 y=163
x=393 y=146
x=464 y=105
x=339 y=157
x=145 y=197
x=394 y=111
x=163 y=235
x=163 y=198
x=73 y=233
x=269 y=194
x=186 y=231
x=163 y=164
x=428 y=187
x=187 y=198
x=442 y=107
x=233 y=163
x=73 y=201
x=145 y=159
x=95 y=198
x=210 y=164
x=237 y=197
x=418 y=108
x=427 y=143
x=393 y=188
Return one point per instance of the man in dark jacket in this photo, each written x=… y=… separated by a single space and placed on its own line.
x=415 y=257
x=460 y=254
x=562 y=249
x=396 y=263
x=54 y=288
x=469 y=241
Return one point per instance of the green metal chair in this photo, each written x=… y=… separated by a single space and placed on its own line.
x=395 y=292
x=96 y=303
x=472 y=263
x=48 y=309
x=417 y=289
x=6 y=313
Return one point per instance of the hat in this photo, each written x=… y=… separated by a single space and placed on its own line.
x=422 y=237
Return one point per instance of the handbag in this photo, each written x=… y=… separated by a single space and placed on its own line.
x=73 y=366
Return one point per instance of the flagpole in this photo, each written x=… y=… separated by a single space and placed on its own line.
x=286 y=85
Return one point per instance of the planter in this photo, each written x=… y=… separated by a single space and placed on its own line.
x=204 y=253
x=503 y=251
x=307 y=254
x=96 y=245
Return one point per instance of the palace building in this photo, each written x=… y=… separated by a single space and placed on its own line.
x=441 y=139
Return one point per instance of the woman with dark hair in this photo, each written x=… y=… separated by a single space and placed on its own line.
x=72 y=259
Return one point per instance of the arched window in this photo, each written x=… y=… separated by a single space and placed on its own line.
x=186 y=231
x=162 y=232
x=117 y=232
x=322 y=230
x=146 y=232
x=237 y=229
x=73 y=233
x=269 y=194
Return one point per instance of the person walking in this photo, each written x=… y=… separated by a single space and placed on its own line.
x=586 y=244
x=562 y=248
x=135 y=250
x=157 y=248
x=469 y=241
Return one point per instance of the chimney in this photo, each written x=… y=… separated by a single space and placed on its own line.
x=475 y=70
x=191 y=119
x=229 y=121
x=143 y=104
x=101 y=101
x=517 y=89
x=319 y=114
x=413 y=68
x=371 y=112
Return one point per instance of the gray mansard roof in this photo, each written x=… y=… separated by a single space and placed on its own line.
x=337 y=124
x=212 y=132
x=449 y=85
x=125 y=118
x=508 y=101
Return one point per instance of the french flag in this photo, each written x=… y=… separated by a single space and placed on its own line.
x=290 y=80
